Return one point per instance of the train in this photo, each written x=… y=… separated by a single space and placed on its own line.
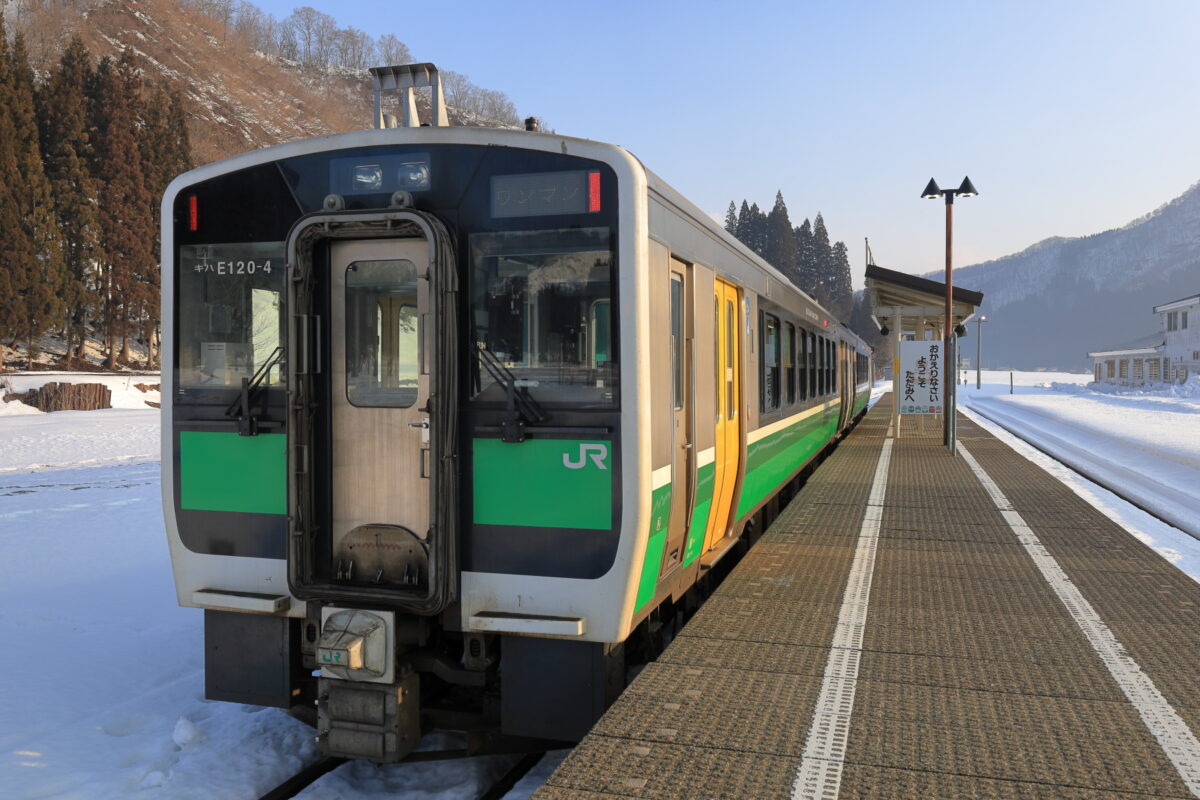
x=455 y=418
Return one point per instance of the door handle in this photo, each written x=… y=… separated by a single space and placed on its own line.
x=422 y=424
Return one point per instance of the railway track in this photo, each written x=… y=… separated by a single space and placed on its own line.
x=310 y=774
x=1079 y=469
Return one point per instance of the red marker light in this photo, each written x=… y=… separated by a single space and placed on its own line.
x=593 y=192
x=824 y=322
x=193 y=213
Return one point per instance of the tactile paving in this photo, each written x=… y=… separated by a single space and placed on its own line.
x=973 y=680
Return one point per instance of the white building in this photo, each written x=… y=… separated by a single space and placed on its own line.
x=1172 y=354
x=1181 y=349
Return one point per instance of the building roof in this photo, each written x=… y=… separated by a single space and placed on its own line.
x=1143 y=345
x=920 y=284
x=1187 y=300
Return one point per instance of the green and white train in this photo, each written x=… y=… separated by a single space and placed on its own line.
x=453 y=416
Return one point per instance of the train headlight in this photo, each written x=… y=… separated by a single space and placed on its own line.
x=354 y=645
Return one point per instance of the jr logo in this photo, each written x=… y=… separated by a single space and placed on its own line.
x=598 y=453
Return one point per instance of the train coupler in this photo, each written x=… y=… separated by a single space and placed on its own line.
x=375 y=721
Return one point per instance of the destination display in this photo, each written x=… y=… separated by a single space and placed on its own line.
x=921 y=383
x=544 y=193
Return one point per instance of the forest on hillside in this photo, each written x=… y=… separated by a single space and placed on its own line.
x=805 y=255
x=89 y=145
x=86 y=150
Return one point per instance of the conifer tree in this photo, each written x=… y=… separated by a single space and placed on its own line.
x=36 y=267
x=62 y=117
x=780 y=246
x=731 y=219
x=129 y=267
x=166 y=153
x=758 y=230
x=14 y=244
x=805 y=266
x=822 y=260
x=743 y=232
x=841 y=287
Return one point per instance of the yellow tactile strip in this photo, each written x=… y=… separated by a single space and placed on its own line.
x=972 y=683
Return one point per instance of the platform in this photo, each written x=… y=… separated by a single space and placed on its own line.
x=919 y=625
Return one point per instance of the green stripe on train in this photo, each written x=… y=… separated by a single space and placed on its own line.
x=660 y=511
x=860 y=402
x=771 y=460
x=228 y=472
x=705 y=479
x=543 y=483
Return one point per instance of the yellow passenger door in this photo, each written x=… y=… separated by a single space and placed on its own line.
x=728 y=417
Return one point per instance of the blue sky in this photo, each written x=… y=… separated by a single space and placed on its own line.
x=1070 y=117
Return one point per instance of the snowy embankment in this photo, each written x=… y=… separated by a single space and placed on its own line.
x=1143 y=443
x=104 y=692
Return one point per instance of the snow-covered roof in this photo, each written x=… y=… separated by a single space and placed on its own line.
x=1144 y=345
x=1190 y=300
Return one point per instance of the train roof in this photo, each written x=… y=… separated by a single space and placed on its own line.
x=501 y=137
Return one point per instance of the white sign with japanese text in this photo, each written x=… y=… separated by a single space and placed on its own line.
x=921 y=385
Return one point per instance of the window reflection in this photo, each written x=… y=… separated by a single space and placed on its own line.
x=381 y=333
x=540 y=301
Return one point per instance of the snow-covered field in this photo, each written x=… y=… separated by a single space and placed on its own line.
x=104 y=693
x=1143 y=442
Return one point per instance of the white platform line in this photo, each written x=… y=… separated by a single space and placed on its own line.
x=1172 y=733
x=820 y=774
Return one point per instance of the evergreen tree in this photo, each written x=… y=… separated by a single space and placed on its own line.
x=822 y=261
x=841 y=287
x=805 y=267
x=744 y=224
x=780 y=248
x=758 y=230
x=62 y=116
x=731 y=219
x=14 y=244
x=36 y=268
x=166 y=153
x=129 y=268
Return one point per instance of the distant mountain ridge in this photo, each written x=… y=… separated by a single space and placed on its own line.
x=1051 y=303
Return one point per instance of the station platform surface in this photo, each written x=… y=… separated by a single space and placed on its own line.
x=919 y=625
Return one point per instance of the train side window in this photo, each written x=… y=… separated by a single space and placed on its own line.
x=810 y=356
x=730 y=332
x=789 y=362
x=769 y=372
x=717 y=357
x=677 y=340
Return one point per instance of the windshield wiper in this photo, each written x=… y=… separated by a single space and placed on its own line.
x=243 y=410
x=520 y=407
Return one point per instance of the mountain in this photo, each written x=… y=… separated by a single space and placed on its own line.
x=1048 y=305
x=237 y=98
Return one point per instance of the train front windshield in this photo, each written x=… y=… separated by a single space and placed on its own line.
x=536 y=235
x=541 y=303
x=230 y=318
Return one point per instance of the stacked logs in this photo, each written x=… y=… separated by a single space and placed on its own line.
x=66 y=397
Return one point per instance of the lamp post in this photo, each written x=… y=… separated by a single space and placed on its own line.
x=978 y=348
x=931 y=192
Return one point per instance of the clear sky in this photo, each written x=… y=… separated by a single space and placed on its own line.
x=1069 y=117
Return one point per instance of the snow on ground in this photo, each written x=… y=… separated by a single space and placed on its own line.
x=104 y=693
x=125 y=393
x=1143 y=442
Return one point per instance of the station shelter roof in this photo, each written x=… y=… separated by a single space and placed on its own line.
x=915 y=298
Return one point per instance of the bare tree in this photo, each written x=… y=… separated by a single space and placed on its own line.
x=391 y=51
x=325 y=41
x=356 y=48
x=248 y=22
